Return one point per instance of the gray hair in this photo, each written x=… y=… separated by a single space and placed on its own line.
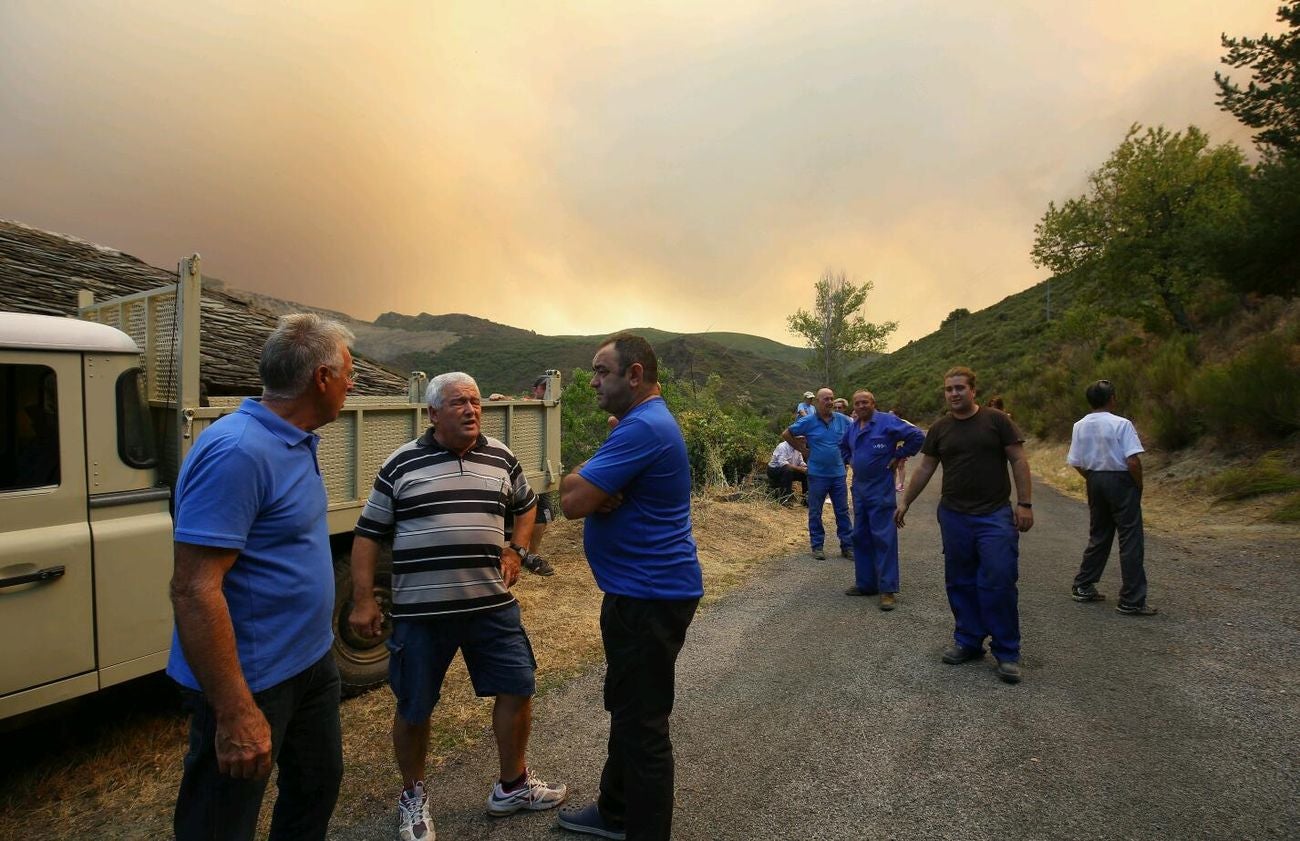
x=300 y=344
x=439 y=384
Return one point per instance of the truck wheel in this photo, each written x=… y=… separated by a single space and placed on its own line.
x=362 y=662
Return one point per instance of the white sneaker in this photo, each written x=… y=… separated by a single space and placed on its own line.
x=534 y=795
x=414 y=822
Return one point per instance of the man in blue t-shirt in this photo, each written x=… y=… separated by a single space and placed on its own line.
x=253 y=596
x=874 y=444
x=817 y=438
x=635 y=494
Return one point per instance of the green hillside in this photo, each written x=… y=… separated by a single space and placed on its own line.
x=1003 y=344
x=508 y=363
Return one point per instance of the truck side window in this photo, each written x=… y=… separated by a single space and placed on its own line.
x=29 y=427
x=135 y=441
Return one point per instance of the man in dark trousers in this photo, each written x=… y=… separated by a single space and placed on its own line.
x=1105 y=449
x=980 y=527
x=253 y=594
x=635 y=494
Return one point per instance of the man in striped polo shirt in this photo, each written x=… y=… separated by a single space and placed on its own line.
x=443 y=499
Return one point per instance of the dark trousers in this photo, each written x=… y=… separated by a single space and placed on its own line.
x=784 y=478
x=306 y=745
x=642 y=638
x=1115 y=503
x=981 y=564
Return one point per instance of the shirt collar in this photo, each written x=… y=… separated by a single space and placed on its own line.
x=427 y=440
x=276 y=425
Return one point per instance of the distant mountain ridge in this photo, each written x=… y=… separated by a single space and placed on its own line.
x=769 y=375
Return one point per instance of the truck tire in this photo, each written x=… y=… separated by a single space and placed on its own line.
x=362 y=662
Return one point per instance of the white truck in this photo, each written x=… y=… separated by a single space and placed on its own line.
x=96 y=417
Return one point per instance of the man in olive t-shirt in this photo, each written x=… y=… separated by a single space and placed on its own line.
x=980 y=528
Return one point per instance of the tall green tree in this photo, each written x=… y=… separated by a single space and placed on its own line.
x=1150 y=222
x=836 y=330
x=1267 y=257
x=1271 y=100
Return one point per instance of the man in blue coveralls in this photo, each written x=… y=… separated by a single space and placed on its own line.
x=980 y=528
x=817 y=438
x=635 y=494
x=874 y=444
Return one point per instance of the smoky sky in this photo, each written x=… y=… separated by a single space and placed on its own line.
x=586 y=167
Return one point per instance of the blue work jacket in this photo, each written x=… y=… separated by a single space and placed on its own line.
x=870 y=446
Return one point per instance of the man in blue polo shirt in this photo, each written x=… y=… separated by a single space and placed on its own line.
x=874 y=444
x=635 y=494
x=253 y=595
x=817 y=437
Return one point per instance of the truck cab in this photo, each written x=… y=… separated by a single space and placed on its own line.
x=85 y=528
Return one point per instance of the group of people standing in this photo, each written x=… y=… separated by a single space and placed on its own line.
x=253 y=594
x=979 y=525
x=253 y=587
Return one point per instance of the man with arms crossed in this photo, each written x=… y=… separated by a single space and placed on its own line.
x=1105 y=449
x=980 y=528
x=635 y=494
x=253 y=596
x=817 y=438
x=443 y=499
x=874 y=444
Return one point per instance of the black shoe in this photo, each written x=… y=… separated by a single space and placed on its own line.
x=846 y=552
x=854 y=591
x=588 y=821
x=1008 y=671
x=959 y=654
x=1135 y=610
x=538 y=565
x=1086 y=594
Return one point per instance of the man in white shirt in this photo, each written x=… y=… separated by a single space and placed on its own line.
x=784 y=469
x=1104 y=448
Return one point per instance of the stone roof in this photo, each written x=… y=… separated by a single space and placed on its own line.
x=41 y=272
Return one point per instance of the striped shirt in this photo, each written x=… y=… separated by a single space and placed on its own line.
x=446 y=515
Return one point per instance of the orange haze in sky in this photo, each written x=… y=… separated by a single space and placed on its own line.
x=584 y=167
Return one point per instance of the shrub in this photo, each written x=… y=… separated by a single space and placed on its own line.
x=1267 y=475
x=1289 y=512
x=1164 y=395
x=1257 y=393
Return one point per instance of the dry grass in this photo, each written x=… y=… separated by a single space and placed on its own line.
x=112 y=770
x=1176 y=495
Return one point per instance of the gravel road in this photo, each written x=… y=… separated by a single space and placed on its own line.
x=805 y=714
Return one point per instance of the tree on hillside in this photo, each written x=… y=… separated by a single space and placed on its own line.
x=1149 y=224
x=1271 y=101
x=1267 y=258
x=836 y=330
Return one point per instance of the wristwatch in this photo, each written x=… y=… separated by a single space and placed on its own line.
x=519 y=550
x=1025 y=504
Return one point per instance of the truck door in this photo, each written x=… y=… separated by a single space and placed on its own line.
x=46 y=587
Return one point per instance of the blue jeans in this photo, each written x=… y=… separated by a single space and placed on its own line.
x=875 y=544
x=981 y=565
x=818 y=489
x=306 y=746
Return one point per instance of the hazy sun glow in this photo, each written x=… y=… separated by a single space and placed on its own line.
x=582 y=167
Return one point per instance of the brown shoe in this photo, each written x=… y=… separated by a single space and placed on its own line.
x=888 y=601
x=854 y=591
